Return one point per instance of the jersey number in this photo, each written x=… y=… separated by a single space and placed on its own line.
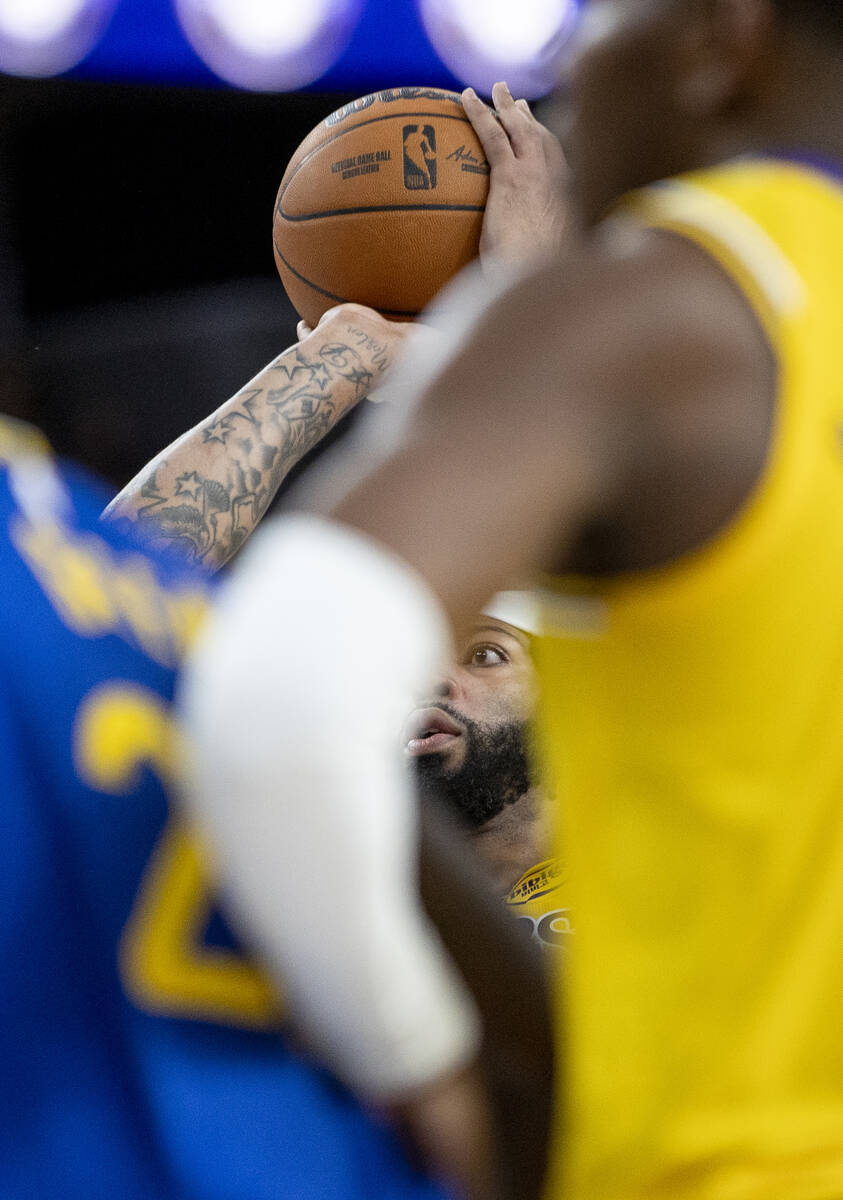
x=165 y=965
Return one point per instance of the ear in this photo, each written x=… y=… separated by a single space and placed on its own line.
x=725 y=48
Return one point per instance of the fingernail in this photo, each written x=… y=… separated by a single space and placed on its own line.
x=469 y=91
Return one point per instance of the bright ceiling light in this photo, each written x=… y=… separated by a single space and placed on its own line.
x=482 y=41
x=46 y=37
x=37 y=20
x=265 y=29
x=502 y=35
x=268 y=45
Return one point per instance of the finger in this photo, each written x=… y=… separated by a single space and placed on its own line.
x=553 y=152
x=303 y=330
x=554 y=155
x=328 y=314
x=492 y=136
x=501 y=95
x=546 y=134
x=522 y=130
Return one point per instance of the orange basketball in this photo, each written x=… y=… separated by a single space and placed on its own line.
x=381 y=204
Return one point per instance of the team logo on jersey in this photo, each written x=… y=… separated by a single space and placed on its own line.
x=552 y=928
x=419 y=158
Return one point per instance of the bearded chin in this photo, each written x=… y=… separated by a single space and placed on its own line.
x=494 y=773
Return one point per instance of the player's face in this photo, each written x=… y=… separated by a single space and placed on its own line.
x=620 y=118
x=491 y=684
x=468 y=742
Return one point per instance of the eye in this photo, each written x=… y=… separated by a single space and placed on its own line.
x=485 y=656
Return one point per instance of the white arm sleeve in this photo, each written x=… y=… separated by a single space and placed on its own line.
x=293 y=703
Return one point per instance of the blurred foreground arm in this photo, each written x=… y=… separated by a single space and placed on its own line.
x=506 y=973
x=205 y=493
x=314 y=831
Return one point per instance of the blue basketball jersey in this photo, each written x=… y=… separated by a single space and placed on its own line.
x=141 y=1054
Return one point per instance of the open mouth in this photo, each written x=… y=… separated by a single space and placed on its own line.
x=429 y=730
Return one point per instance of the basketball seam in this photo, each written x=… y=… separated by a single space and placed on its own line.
x=391 y=312
x=442 y=95
x=372 y=208
x=341 y=133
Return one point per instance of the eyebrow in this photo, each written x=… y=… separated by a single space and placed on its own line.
x=490 y=627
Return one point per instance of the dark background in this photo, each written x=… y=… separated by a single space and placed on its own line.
x=139 y=284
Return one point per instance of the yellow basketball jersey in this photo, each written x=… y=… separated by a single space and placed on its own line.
x=538 y=899
x=692 y=721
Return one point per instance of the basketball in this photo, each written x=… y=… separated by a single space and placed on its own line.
x=381 y=204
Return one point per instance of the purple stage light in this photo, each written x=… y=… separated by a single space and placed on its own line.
x=482 y=41
x=269 y=45
x=45 y=37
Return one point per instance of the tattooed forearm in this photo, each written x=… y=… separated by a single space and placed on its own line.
x=204 y=494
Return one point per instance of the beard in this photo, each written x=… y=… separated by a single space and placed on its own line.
x=495 y=771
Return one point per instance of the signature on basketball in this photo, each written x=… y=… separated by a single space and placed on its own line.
x=469 y=161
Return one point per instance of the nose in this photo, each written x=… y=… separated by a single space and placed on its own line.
x=444 y=689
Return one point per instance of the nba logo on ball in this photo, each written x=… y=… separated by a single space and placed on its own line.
x=405 y=176
x=419 y=157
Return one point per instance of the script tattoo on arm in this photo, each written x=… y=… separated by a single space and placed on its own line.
x=206 y=492
x=379 y=350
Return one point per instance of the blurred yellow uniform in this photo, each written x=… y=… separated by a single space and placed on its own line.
x=692 y=718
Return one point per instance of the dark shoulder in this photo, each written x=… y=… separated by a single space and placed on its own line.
x=609 y=410
x=669 y=352
x=701 y=389
x=633 y=298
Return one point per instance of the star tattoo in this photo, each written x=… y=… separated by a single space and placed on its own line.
x=189 y=484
